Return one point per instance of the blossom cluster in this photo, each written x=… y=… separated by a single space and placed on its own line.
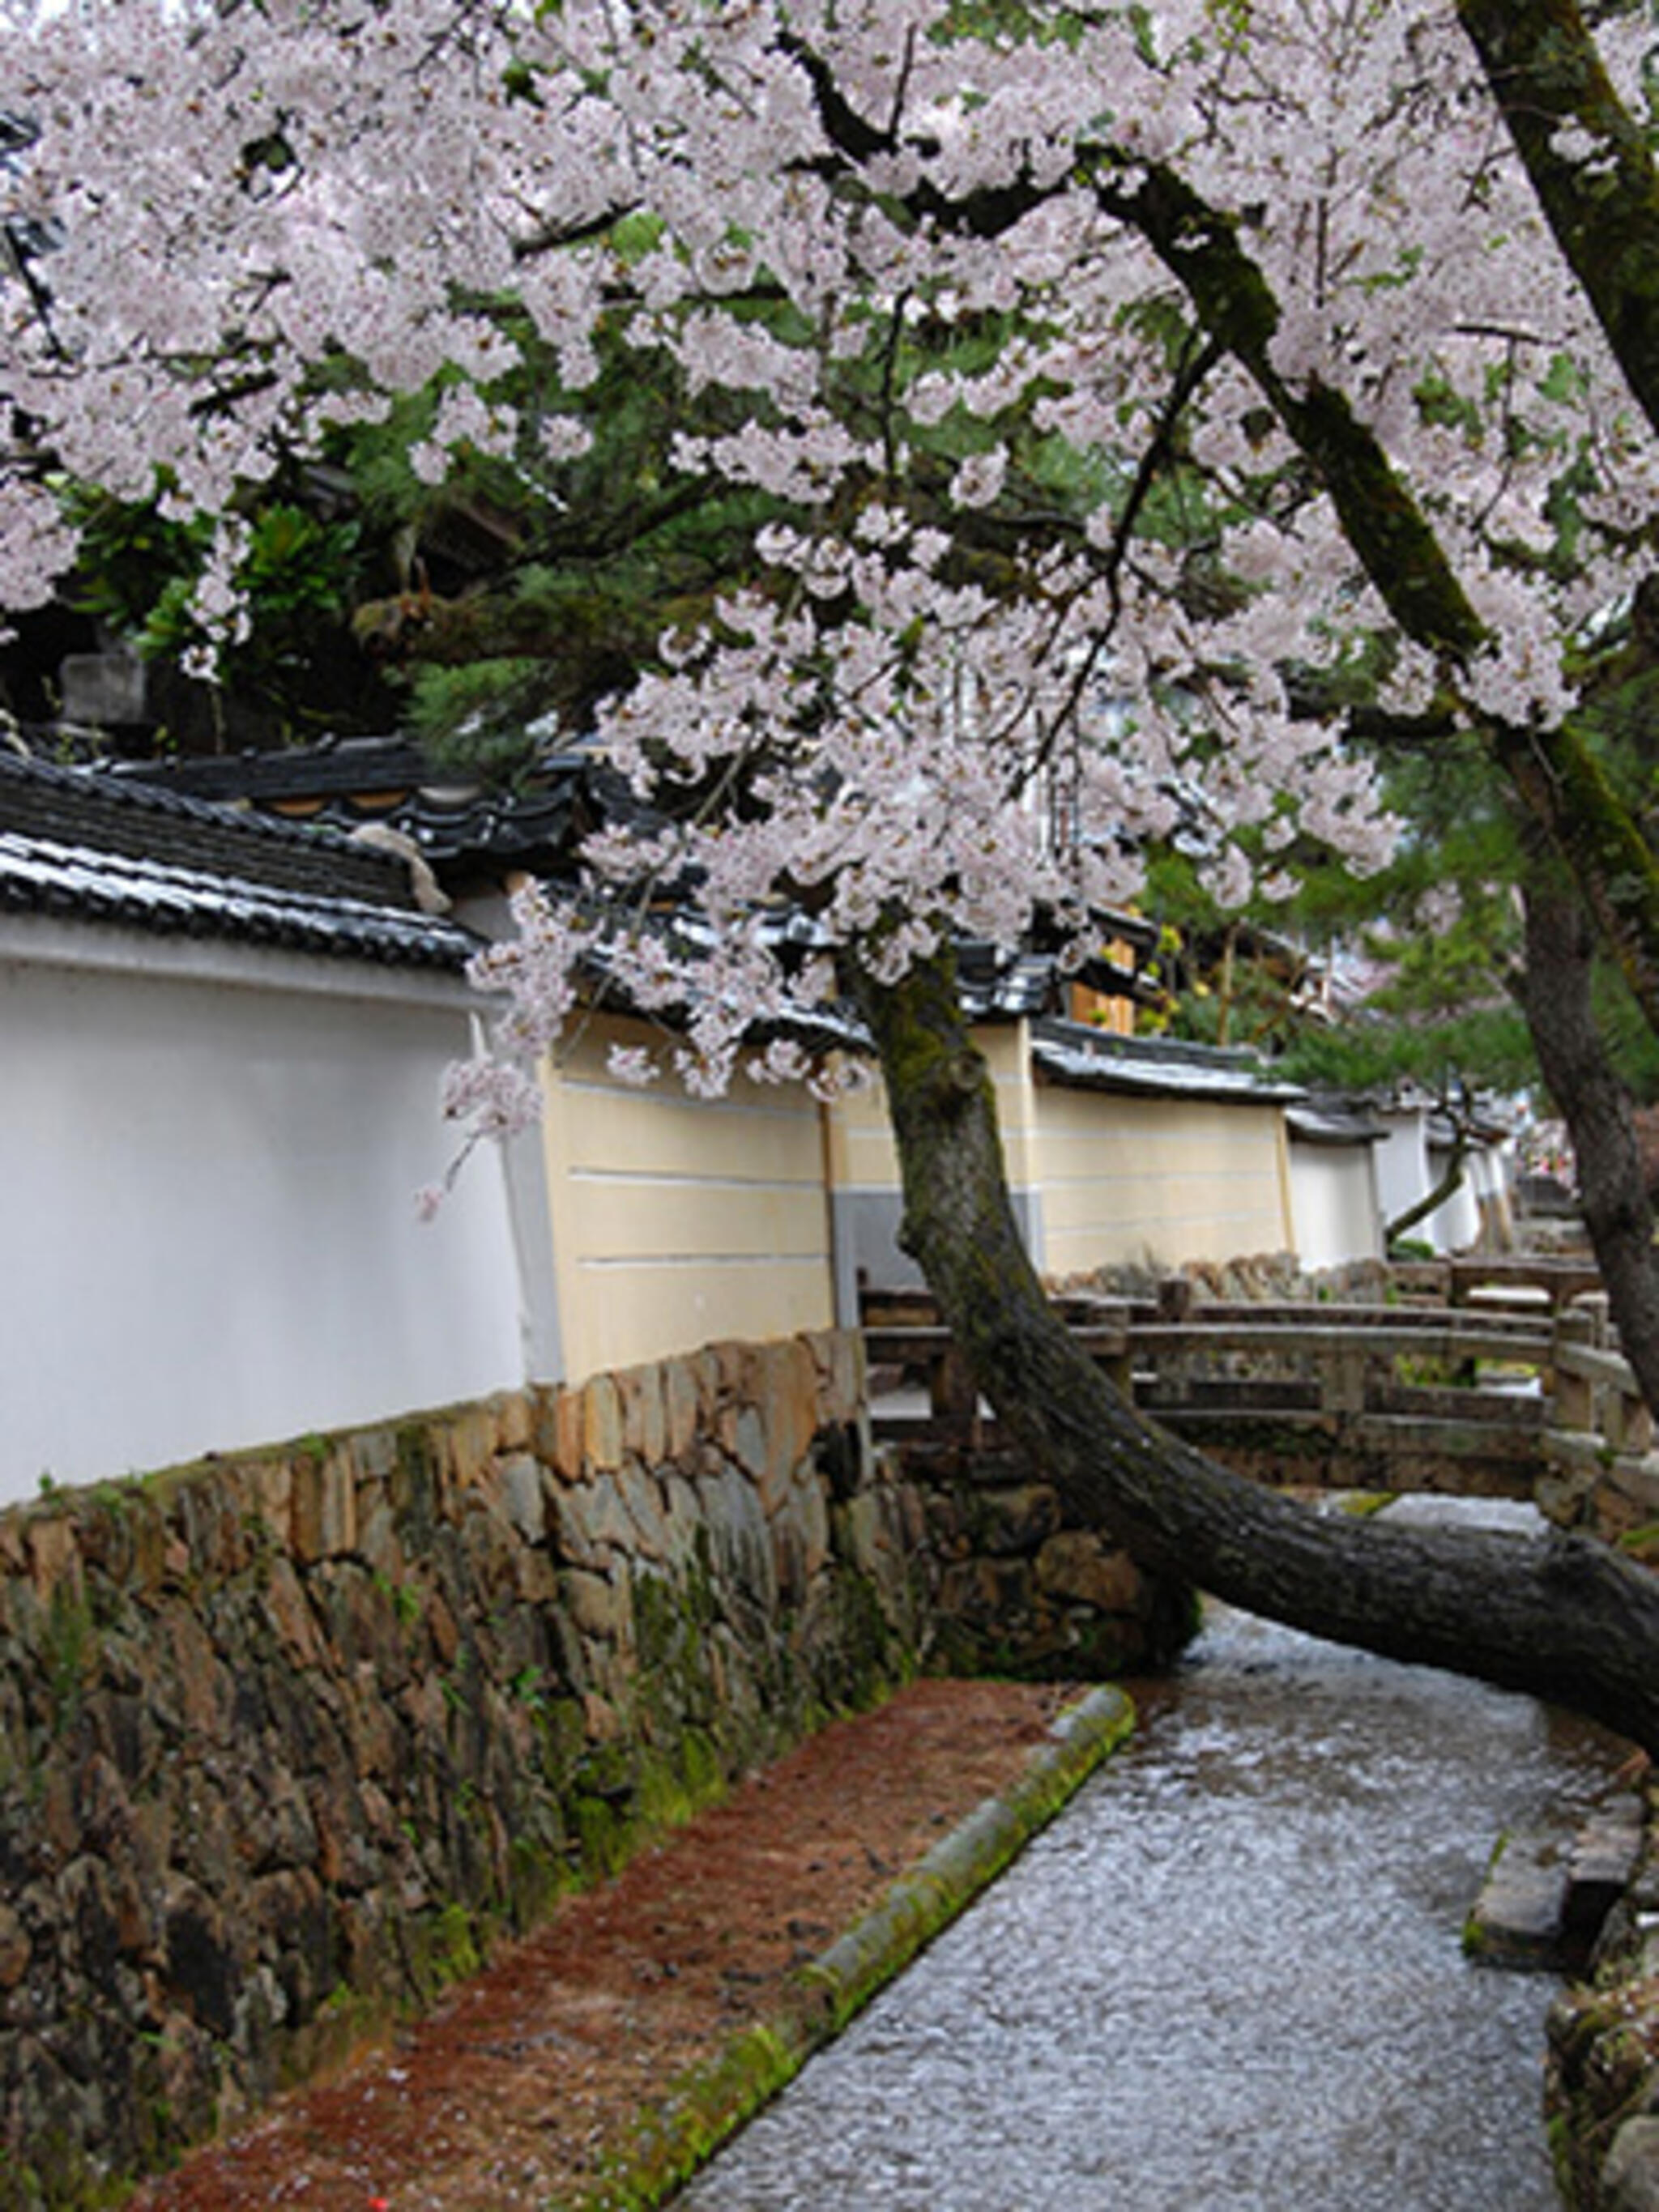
x=983 y=650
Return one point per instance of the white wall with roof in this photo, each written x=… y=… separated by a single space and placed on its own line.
x=209 y=1158
x=1333 y=1203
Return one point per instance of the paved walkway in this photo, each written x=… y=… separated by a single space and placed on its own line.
x=597 y=2061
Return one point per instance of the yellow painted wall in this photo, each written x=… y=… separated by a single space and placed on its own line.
x=1164 y=1179
x=862 y=1154
x=1116 y=1016
x=1113 y=1177
x=679 y=1220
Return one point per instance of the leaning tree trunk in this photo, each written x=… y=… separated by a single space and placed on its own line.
x=1565 y=1619
x=1593 y=1099
x=1447 y=1187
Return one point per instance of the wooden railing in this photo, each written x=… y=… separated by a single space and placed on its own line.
x=1498 y=1278
x=1478 y=1396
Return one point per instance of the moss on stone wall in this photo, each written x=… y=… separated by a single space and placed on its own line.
x=289 y=1739
x=1602 y=2079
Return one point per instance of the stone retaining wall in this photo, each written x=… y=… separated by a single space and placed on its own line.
x=287 y=1738
x=1602 y=2087
x=1017 y=1588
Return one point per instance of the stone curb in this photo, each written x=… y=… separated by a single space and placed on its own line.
x=705 y=2108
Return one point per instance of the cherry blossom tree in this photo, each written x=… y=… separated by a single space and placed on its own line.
x=1101 y=399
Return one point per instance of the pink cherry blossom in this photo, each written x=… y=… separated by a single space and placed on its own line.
x=972 y=366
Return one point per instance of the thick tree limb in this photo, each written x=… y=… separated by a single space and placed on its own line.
x=1565 y=1619
x=1447 y=1186
x=1553 y=771
x=1547 y=78
x=1569 y=797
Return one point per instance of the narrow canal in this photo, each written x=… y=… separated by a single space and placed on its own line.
x=1229 y=1976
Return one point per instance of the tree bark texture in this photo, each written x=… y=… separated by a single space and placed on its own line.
x=1564 y=1619
x=1541 y=62
x=1592 y=1097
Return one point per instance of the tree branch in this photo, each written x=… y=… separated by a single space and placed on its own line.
x=1601 y=199
x=1553 y=771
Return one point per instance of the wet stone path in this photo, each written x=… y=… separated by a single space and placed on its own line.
x=1231 y=1976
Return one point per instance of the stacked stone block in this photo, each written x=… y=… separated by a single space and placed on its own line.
x=1602 y=2082
x=286 y=1739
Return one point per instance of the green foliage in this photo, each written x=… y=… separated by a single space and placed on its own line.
x=484 y=718
x=138 y=573
x=1488 y=1050
x=130 y=553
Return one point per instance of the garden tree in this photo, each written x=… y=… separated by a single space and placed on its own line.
x=1094 y=372
x=469 y=611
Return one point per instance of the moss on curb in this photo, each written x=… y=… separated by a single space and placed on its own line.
x=704 y=2108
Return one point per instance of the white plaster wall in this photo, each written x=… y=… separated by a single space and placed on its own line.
x=1454 y=1226
x=1408 y=1169
x=1402 y=1165
x=1334 y=1204
x=208 y=1237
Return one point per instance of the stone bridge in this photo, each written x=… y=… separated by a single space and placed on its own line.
x=1496 y=1377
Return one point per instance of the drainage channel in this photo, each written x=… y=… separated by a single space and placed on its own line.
x=1231 y=1975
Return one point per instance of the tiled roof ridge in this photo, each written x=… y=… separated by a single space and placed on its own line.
x=191 y=879
x=75 y=843
x=39 y=876
x=113 y=805
x=458 y=818
x=221 y=776
x=1072 y=1052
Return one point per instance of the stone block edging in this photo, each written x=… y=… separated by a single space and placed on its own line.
x=704 y=2109
x=1602 y=2095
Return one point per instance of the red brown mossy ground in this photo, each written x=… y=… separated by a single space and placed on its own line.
x=517 y=2086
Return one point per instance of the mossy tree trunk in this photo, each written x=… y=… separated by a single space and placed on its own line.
x=1540 y=59
x=1554 y=990
x=1566 y=1620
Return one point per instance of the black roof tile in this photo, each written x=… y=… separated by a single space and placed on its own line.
x=75 y=842
x=345 y=782
x=1072 y=1052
